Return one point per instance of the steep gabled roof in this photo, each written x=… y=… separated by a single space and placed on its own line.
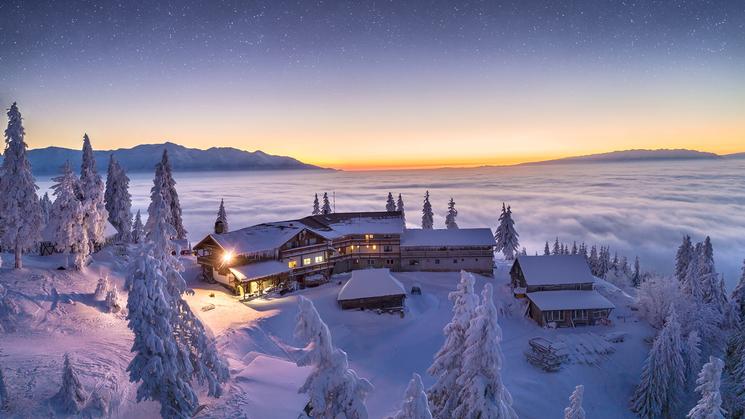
x=259 y=238
x=448 y=237
x=259 y=270
x=370 y=283
x=555 y=269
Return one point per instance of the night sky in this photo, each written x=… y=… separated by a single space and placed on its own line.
x=374 y=84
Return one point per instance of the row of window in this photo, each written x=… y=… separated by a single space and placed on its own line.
x=414 y=262
x=558 y=315
x=369 y=246
x=306 y=261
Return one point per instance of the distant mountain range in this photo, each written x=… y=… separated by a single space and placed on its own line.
x=642 y=155
x=142 y=158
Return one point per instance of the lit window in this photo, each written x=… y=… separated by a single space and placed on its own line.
x=292 y=264
x=319 y=259
x=306 y=261
x=375 y=247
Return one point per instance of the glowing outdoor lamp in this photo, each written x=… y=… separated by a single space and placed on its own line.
x=227 y=257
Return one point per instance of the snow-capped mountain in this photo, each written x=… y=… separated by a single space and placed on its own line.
x=637 y=155
x=144 y=157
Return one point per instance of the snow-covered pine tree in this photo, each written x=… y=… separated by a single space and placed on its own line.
x=112 y=300
x=448 y=361
x=427 y=215
x=400 y=208
x=575 y=409
x=19 y=205
x=683 y=258
x=709 y=380
x=636 y=277
x=46 y=207
x=71 y=396
x=546 y=250
x=222 y=219
x=390 y=204
x=335 y=390
x=575 y=250
x=102 y=287
x=482 y=393
x=91 y=188
x=170 y=344
x=692 y=356
x=66 y=226
x=451 y=215
x=738 y=297
x=316 y=206
x=415 y=405
x=556 y=250
x=506 y=236
x=4 y=392
x=663 y=374
x=164 y=175
x=138 y=230
x=326 y=209
x=118 y=200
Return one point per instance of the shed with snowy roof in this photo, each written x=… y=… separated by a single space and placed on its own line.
x=372 y=289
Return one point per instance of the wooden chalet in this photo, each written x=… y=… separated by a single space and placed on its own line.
x=560 y=290
x=469 y=249
x=372 y=289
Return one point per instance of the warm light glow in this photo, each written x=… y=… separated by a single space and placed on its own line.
x=227 y=257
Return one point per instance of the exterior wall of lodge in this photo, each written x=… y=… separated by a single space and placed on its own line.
x=448 y=259
x=568 y=318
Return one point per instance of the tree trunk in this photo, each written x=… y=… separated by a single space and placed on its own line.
x=19 y=252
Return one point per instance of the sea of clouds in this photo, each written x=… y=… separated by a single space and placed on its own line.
x=636 y=208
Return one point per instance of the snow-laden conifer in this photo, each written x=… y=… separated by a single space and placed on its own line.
x=400 y=208
x=427 y=215
x=20 y=211
x=326 y=209
x=71 y=396
x=170 y=344
x=222 y=218
x=46 y=208
x=334 y=390
x=448 y=361
x=3 y=392
x=415 y=405
x=738 y=297
x=164 y=176
x=390 y=204
x=636 y=277
x=663 y=374
x=118 y=200
x=66 y=227
x=506 y=236
x=316 y=206
x=709 y=380
x=452 y=214
x=692 y=355
x=555 y=250
x=91 y=188
x=683 y=257
x=138 y=230
x=482 y=393
x=102 y=288
x=575 y=409
x=546 y=250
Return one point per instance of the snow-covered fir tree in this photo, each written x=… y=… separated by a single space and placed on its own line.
x=663 y=374
x=91 y=189
x=448 y=361
x=118 y=200
x=170 y=344
x=546 y=250
x=71 y=396
x=636 y=277
x=452 y=214
x=113 y=305
x=692 y=356
x=316 y=206
x=738 y=296
x=222 y=219
x=20 y=210
x=400 y=208
x=326 y=209
x=683 y=257
x=415 y=405
x=427 y=215
x=46 y=208
x=709 y=380
x=575 y=250
x=506 y=236
x=482 y=393
x=390 y=204
x=66 y=226
x=102 y=288
x=575 y=409
x=164 y=176
x=556 y=250
x=138 y=230
x=334 y=390
x=3 y=392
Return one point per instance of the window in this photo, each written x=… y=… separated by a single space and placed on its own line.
x=292 y=264
x=387 y=248
x=555 y=315
x=319 y=259
x=413 y=262
x=375 y=246
x=306 y=261
x=389 y=261
x=455 y=261
x=370 y=262
x=437 y=261
x=579 y=314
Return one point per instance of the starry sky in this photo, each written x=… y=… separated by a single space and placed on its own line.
x=376 y=84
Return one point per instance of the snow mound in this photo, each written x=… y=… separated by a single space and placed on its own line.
x=586 y=348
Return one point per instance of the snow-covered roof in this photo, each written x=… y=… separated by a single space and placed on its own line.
x=337 y=225
x=370 y=283
x=259 y=270
x=448 y=237
x=259 y=238
x=569 y=300
x=555 y=269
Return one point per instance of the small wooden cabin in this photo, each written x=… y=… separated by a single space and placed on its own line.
x=372 y=289
x=568 y=308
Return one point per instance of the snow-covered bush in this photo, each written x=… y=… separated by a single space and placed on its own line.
x=335 y=390
x=575 y=409
x=482 y=393
x=415 y=405
x=71 y=396
x=656 y=296
x=448 y=361
x=102 y=287
x=112 y=300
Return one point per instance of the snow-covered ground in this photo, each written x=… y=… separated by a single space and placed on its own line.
x=257 y=340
